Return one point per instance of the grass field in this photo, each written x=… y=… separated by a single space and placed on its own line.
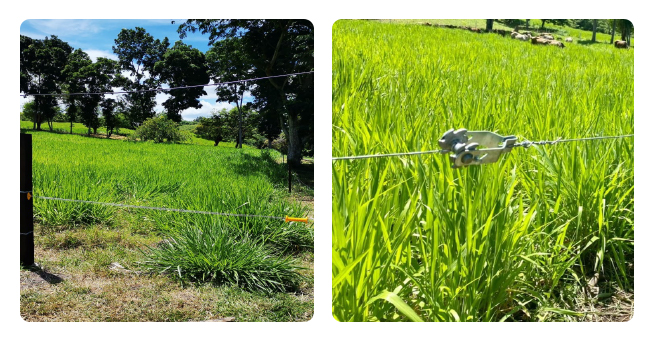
x=80 y=129
x=176 y=266
x=579 y=36
x=544 y=234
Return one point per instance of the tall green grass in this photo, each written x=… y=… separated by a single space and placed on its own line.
x=191 y=177
x=414 y=239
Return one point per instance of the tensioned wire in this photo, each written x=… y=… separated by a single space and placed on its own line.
x=168 y=89
x=161 y=209
x=525 y=144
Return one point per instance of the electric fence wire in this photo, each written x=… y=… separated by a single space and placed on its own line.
x=388 y=155
x=163 y=209
x=526 y=144
x=163 y=89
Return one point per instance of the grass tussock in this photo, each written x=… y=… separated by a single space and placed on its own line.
x=215 y=254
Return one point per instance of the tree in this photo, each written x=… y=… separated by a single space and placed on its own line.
x=274 y=47
x=626 y=28
x=138 y=53
x=160 y=129
x=559 y=22
x=488 y=24
x=612 y=27
x=210 y=128
x=182 y=65
x=108 y=112
x=227 y=62
x=595 y=27
x=42 y=63
x=74 y=82
x=25 y=56
x=98 y=77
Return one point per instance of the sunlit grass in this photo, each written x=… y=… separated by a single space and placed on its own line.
x=191 y=177
x=416 y=240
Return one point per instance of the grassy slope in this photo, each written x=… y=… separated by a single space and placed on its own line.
x=536 y=24
x=519 y=239
x=77 y=242
x=80 y=129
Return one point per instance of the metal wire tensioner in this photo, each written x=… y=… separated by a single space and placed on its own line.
x=474 y=147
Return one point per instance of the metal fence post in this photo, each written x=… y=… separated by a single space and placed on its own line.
x=26 y=202
x=289 y=165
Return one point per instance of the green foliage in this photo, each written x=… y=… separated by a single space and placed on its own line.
x=217 y=253
x=138 y=53
x=160 y=129
x=514 y=240
x=41 y=66
x=280 y=144
x=29 y=111
x=182 y=65
x=110 y=119
x=289 y=48
x=210 y=129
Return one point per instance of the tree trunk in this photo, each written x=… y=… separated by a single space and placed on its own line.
x=294 y=153
x=593 y=36
x=70 y=126
x=488 y=25
x=527 y=23
x=611 y=41
x=543 y=22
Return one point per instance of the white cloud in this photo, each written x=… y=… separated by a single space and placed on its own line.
x=205 y=110
x=94 y=54
x=67 y=27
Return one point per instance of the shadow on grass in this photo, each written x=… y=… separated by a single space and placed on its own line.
x=262 y=164
x=47 y=277
x=64 y=132
x=589 y=42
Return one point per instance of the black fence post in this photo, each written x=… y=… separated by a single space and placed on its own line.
x=289 y=165
x=26 y=202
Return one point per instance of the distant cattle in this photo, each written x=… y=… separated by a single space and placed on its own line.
x=475 y=30
x=568 y=39
x=522 y=37
x=501 y=32
x=621 y=44
x=542 y=41
x=426 y=24
x=548 y=36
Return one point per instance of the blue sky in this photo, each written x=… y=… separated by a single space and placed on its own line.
x=96 y=37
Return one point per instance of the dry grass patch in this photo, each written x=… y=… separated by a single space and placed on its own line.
x=77 y=281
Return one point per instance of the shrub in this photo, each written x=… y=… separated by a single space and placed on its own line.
x=281 y=144
x=257 y=141
x=160 y=129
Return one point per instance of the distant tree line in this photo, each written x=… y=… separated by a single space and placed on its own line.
x=623 y=27
x=239 y=49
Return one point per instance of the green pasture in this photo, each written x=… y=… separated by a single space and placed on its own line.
x=546 y=233
x=191 y=177
x=578 y=35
